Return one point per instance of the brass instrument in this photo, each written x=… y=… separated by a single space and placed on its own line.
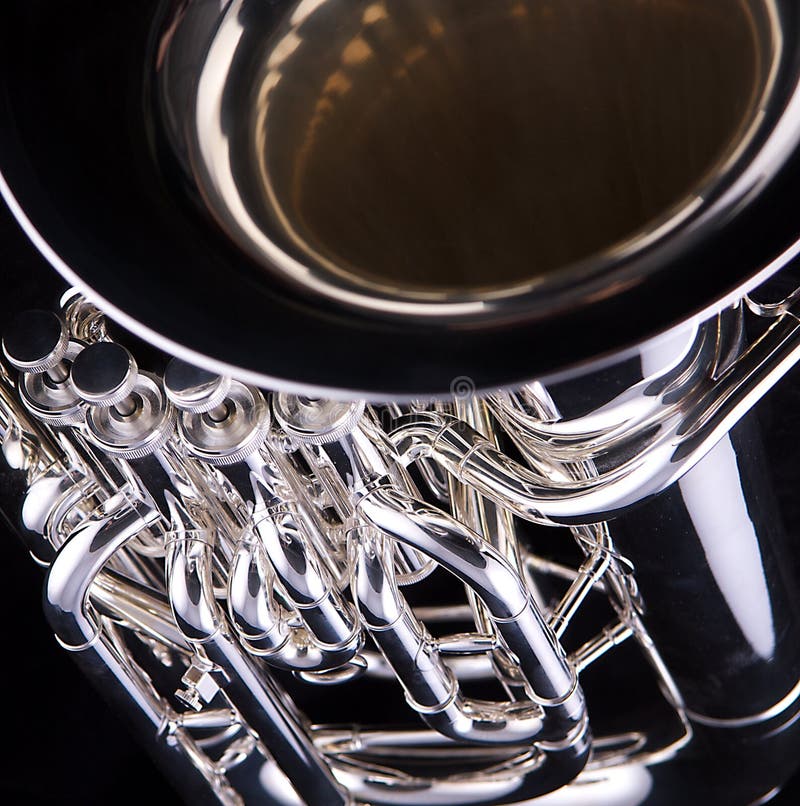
x=391 y=442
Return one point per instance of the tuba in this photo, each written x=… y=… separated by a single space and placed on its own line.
x=384 y=430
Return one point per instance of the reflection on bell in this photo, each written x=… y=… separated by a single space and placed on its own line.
x=417 y=147
x=432 y=476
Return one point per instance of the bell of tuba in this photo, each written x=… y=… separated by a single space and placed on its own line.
x=385 y=428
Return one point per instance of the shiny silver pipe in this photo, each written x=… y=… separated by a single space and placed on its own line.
x=359 y=456
x=76 y=572
x=683 y=439
x=315 y=507
x=52 y=499
x=82 y=557
x=270 y=528
x=552 y=681
x=306 y=581
x=431 y=688
x=138 y=607
x=124 y=686
x=672 y=371
x=588 y=575
x=69 y=582
x=519 y=779
x=21 y=439
x=259 y=624
x=250 y=689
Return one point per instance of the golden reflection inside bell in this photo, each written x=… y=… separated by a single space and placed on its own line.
x=456 y=146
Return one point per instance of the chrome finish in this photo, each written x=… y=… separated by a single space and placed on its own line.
x=81 y=559
x=36 y=342
x=323 y=645
x=104 y=375
x=137 y=425
x=304 y=579
x=430 y=686
x=48 y=394
x=128 y=414
x=326 y=83
x=229 y=543
x=193 y=389
x=288 y=521
x=258 y=621
x=191 y=593
x=230 y=431
x=215 y=84
x=316 y=421
x=674 y=437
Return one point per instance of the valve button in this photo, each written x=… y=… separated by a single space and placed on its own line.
x=104 y=374
x=194 y=389
x=316 y=421
x=35 y=341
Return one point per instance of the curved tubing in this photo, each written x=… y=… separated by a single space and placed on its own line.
x=77 y=565
x=519 y=780
x=530 y=414
x=551 y=680
x=308 y=584
x=589 y=574
x=50 y=498
x=191 y=591
x=79 y=561
x=16 y=423
x=681 y=441
x=48 y=502
x=638 y=405
x=258 y=622
x=252 y=692
x=275 y=465
x=138 y=606
x=430 y=686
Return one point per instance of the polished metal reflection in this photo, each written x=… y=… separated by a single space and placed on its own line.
x=309 y=528
x=441 y=151
x=424 y=152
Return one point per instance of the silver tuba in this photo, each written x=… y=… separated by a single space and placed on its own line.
x=385 y=432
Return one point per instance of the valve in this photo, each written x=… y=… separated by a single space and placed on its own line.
x=316 y=421
x=36 y=341
x=196 y=390
x=37 y=344
x=128 y=414
x=223 y=421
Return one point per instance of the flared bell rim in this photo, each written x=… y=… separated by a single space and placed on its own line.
x=267 y=336
x=212 y=147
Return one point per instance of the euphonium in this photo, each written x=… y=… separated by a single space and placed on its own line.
x=392 y=442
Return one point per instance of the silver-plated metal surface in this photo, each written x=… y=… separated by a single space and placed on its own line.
x=397 y=185
x=673 y=440
x=193 y=389
x=206 y=65
x=251 y=690
x=305 y=203
x=315 y=420
x=229 y=431
x=104 y=375
x=49 y=396
x=35 y=341
x=307 y=526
